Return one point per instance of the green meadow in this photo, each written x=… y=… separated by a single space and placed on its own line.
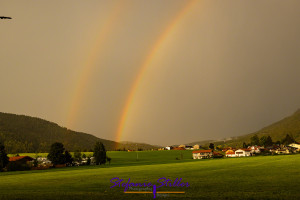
x=261 y=177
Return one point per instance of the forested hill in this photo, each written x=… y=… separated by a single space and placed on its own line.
x=278 y=130
x=20 y=133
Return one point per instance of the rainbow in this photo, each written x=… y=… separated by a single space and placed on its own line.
x=148 y=60
x=89 y=64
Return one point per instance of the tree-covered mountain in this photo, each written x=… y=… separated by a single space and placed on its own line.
x=278 y=131
x=21 y=134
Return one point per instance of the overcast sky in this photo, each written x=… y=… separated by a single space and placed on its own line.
x=219 y=69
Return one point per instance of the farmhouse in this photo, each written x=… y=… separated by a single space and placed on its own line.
x=230 y=153
x=242 y=152
x=169 y=148
x=295 y=145
x=19 y=163
x=282 y=151
x=21 y=159
x=178 y=148
x=255 y=149
x=200 y=154
x=43 y=161
x=189 y=147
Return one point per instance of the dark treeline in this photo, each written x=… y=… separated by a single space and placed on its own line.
x=267 y=140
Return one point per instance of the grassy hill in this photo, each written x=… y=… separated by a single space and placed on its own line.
x=21 y=133
x=278 y=130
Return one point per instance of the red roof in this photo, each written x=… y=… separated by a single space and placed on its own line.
x=178 y=148
x=203 y=151
x=16 y=158
x=230 y=153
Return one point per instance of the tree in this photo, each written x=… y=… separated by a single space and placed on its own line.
x=278 y=142
x=254 y=140
x=211 y=146
x=56 y=154
x=77 y=156
x=263 y=140
x=244 y=145
x=68 y=157
x=83 y=156
x=269 y=141
x=287 y=140
x=99 y=153
x=3 y=157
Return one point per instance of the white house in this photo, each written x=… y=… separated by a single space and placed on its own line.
x=200 y=154
x=168 y=148
x=282 y=151
x=295 y=145
x=255 y=149
x=43 y=160
x=242 y=152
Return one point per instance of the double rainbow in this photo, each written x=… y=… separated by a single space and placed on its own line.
x=90 y=64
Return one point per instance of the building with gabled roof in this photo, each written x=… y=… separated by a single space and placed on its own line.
x=230 y=153
x=200 y=154
x=20 y=159
x=243 y=152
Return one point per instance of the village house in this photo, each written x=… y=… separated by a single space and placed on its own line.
x=178 y=148
x=169 y=148
x=43 y=161
x=19 y=163
x=200 y=154
x=272 y=148
x=255 y=149
x=282 y=151
x=21 y=160
x=230 y=153
x=243 y=152
x=295 y=145
x=182 y=145
x=196 y=146
x=189 y=147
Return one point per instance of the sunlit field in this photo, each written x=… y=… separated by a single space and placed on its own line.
x=261 y=177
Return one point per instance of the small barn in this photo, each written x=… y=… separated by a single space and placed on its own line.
x=19 y=163
x=21 y=159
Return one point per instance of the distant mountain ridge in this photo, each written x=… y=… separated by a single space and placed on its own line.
x=278 y=130
x=21 y=134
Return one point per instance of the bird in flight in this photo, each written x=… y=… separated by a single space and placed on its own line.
x=2 y=17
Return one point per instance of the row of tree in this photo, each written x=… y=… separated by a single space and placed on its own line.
x=58 y=155
x=267 y=141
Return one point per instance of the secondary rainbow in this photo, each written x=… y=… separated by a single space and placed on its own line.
x=90 y=63
x=149 y=58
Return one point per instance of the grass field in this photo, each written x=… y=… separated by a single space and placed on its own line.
x=261 y=177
